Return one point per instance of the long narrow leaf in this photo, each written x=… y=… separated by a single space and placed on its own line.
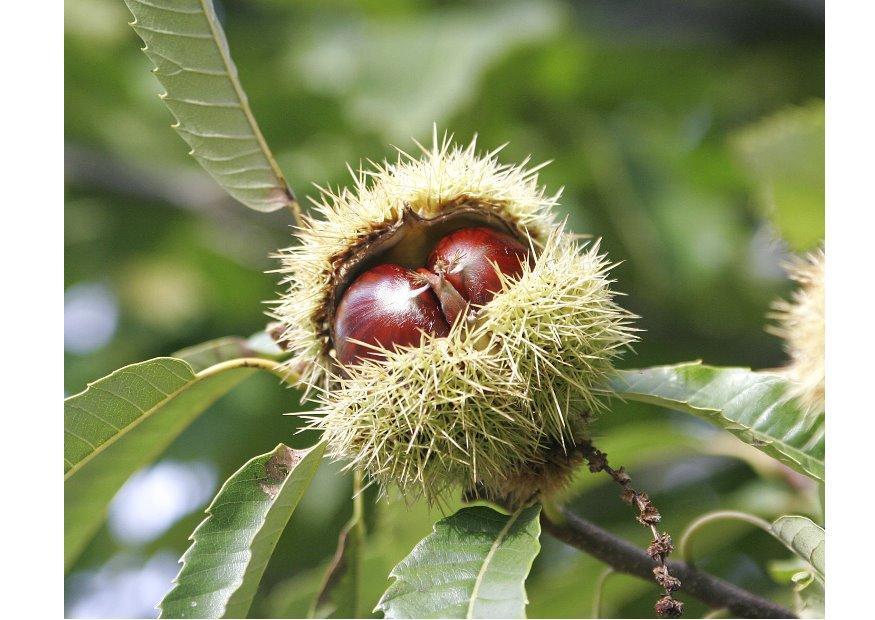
x=753 y=406
x=120 y=423
x=232 y=546
x=474 y=565
x=187 y=45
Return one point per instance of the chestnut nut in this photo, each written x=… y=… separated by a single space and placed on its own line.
x=389 y=305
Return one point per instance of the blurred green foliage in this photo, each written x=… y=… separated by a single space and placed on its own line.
x=784 y=155
x=646 y=109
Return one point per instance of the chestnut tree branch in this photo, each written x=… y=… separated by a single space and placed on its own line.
x=625 y=557
x=648 y=516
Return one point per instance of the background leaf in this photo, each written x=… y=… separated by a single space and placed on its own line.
x=753 y=406
x=445 y=55
x=187 y=45
x=804 y=538
x=474 y=565
x=232 y=546
x=122 y=422
x=204 y=355
x=784 y=155
x=340 y=595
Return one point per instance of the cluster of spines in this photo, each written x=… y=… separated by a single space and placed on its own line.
x=800 y=322
x=346 y=220
x=484 y=402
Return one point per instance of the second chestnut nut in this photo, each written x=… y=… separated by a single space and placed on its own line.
x=389 y=305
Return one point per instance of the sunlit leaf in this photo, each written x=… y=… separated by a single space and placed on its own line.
x=232 y=546
x=122 y=422
x=804 y=538
x=754 y=406
x=474 y=565
x=187 y=45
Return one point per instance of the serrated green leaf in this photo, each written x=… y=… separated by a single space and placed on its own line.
x=474 y=565
x=186 y=43
x=804 y=538
x=222 y=568
x=784 y=155
x=122 y=422
x=754 y=406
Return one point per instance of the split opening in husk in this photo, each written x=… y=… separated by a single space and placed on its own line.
x=409 y=241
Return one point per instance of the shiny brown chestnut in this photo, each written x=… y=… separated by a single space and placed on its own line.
x=468 y=259
x=385 y=306
x=390 y=306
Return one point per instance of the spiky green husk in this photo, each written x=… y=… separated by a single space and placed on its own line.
x=347 y=220
x=495 y=406
x=482 y=405
x=801 y=325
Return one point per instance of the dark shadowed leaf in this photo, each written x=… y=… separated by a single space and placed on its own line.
x=340 y=595
x=232 y=546
x=753 y=406
x=474 y=565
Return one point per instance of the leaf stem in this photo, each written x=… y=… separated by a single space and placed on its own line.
x=358 y=499
x=271 y=366
x=686 y=544
x=599 y=591
x=358 y=523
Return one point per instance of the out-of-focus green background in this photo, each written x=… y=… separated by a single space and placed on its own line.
x=686 y=134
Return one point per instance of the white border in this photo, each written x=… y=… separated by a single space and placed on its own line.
x=31 y=152
x=31 y=36
x=850 y=143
